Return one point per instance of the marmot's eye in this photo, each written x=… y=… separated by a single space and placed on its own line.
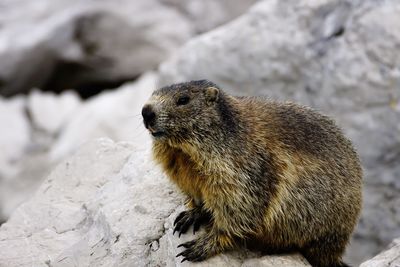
x=183 y=100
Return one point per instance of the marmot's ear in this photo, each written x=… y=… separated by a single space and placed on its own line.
x=212 y=94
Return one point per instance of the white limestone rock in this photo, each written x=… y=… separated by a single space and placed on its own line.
x=115 y=114
x=14 y=137
x=72 y=43
x=108 y=205
x=388 y=258
x=274 y=261
x=104 y=40
x=50 y=112
x=205 y=15
x=60 y=124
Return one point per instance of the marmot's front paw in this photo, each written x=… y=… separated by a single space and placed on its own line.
x=192 y=252
x=185 y=219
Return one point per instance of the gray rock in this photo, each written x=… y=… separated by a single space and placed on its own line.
x=208 y=14
x=337 y=56
x=69 y=43
x=32 y=169
x=273 y=261
x=50 y=112
x=108 y=205
x=58 y=126
x=22 y=161
x=388 y=258
x=14 y=137
x=115 y=114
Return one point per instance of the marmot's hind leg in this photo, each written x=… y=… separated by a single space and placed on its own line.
x=196 y=217
x=326 y=252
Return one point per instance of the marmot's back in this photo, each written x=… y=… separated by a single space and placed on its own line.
x=299 y=128
x=319 y=170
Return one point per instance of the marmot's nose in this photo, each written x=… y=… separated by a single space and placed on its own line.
x=148 y=115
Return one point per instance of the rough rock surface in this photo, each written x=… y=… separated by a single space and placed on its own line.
x=50 y=112
x=29 y=127
x=205 y=15
x=108 y=205
x=337 y=56
x=70 y=43
x=388 y=258
x=57 y=126
x=14 y=137
x=115 y=114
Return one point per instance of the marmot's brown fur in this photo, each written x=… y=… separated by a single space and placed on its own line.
x=274 y=176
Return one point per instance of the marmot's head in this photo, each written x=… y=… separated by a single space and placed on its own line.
x=182 y=111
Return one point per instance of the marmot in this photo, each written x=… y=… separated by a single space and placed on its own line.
x=259 y=173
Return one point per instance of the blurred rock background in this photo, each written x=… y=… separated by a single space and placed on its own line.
x=72 y=71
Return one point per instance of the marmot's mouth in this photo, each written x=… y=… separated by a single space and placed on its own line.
x=154 y=132
x=158 y=134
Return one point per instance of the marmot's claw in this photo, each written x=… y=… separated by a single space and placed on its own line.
x=192 y=252
x=180 y=216
x=186 y=218
x=196 y=226
x=183 y=221
x=187 y=244
x=186 y=226
x=183 y=225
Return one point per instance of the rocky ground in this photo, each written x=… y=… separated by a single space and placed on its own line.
x=108 y=205
x=92 y=44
